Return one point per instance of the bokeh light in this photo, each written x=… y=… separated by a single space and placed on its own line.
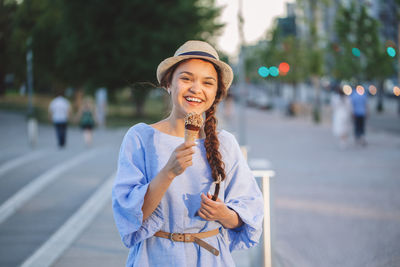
x=263 y=71
x=356 y=52
x=274 y=71
x=284 y=67
x=360 y=90
x=396 y=91
x=347 y=89
x=372 y=89
x=282 y=73
x=391 y=51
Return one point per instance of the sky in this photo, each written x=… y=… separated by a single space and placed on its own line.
x=258 y=18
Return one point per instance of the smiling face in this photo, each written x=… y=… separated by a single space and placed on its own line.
x=193 y=87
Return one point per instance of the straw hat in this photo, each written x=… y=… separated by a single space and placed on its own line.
x=197 y=49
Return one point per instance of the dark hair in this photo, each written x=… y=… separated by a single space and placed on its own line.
x=211 y=142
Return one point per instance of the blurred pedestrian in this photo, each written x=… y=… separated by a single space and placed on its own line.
x=341 y=116
x=59 y=112
x=87 y=120
x=101 y=106
x=360 y=113
x=162 y=200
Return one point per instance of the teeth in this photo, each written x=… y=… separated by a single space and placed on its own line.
x=192 y=99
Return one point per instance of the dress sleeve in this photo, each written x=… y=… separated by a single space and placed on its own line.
x=128 y=193
x=243 y=195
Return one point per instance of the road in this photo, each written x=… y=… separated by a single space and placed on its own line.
x=330 y=207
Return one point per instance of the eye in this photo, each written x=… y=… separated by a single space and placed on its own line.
x=185 y=78
x=209 y=83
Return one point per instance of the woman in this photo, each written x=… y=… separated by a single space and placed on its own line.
x=162 y=196
x=86 y=120
x=341 y=117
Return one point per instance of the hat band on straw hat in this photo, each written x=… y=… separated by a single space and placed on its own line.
x=197 y=53
x=201 y=50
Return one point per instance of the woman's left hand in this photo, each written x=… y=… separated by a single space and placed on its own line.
x=211 y=210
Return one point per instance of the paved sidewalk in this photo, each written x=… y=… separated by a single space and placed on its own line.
x=330 y=207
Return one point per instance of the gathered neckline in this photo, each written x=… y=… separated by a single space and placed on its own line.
x=173 y=136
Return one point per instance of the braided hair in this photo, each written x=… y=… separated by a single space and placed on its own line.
x=211 y=142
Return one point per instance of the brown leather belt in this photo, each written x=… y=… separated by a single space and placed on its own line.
x=189 y=237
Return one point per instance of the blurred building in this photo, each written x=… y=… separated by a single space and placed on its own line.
x=325 y=15
x=287 y=25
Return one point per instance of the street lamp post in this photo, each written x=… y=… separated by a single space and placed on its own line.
x=32 y=126
x=241 y=82
x=29 y=75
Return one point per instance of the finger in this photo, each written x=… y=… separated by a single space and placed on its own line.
x=186 y=145
x=207 y=210
x=187 y=164
x=187 y=158
x=202 y=215
x=206 y=201
x=210 y=197
x=186 y=152
x=206 y=213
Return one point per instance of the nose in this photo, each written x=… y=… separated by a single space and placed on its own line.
x=195 y=88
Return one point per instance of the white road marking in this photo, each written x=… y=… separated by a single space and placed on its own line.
x=54 y=247
x=9 y=207
x=11 y=164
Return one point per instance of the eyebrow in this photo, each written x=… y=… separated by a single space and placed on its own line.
x=191 y=74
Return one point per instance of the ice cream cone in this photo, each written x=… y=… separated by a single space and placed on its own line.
x=191 y=135
x=193 y=123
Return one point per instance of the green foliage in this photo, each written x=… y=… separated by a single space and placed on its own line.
x=7 y=10
x=104 y=43
x=355 y=28
x=38 y=21
x=281 y=48
x=295 y=54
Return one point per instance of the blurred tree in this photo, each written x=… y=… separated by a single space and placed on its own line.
x=282 y=46
x=294 y=51
x=315 y=49
x=357 y=29
x=38 y=20
x=315 y=60
x=115 y=44
x=346 y=64
x=7 y=10
x=286 y=47
x=104 y=43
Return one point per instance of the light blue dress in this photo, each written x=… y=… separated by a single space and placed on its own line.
x=144 y=152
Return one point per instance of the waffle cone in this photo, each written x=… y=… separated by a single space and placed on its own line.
x=190 y=135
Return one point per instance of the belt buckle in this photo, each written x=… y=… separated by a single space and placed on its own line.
x=170 y=236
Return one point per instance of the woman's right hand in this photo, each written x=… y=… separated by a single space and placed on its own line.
x=180 y=159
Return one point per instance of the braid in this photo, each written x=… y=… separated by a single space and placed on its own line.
x=211 y=142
